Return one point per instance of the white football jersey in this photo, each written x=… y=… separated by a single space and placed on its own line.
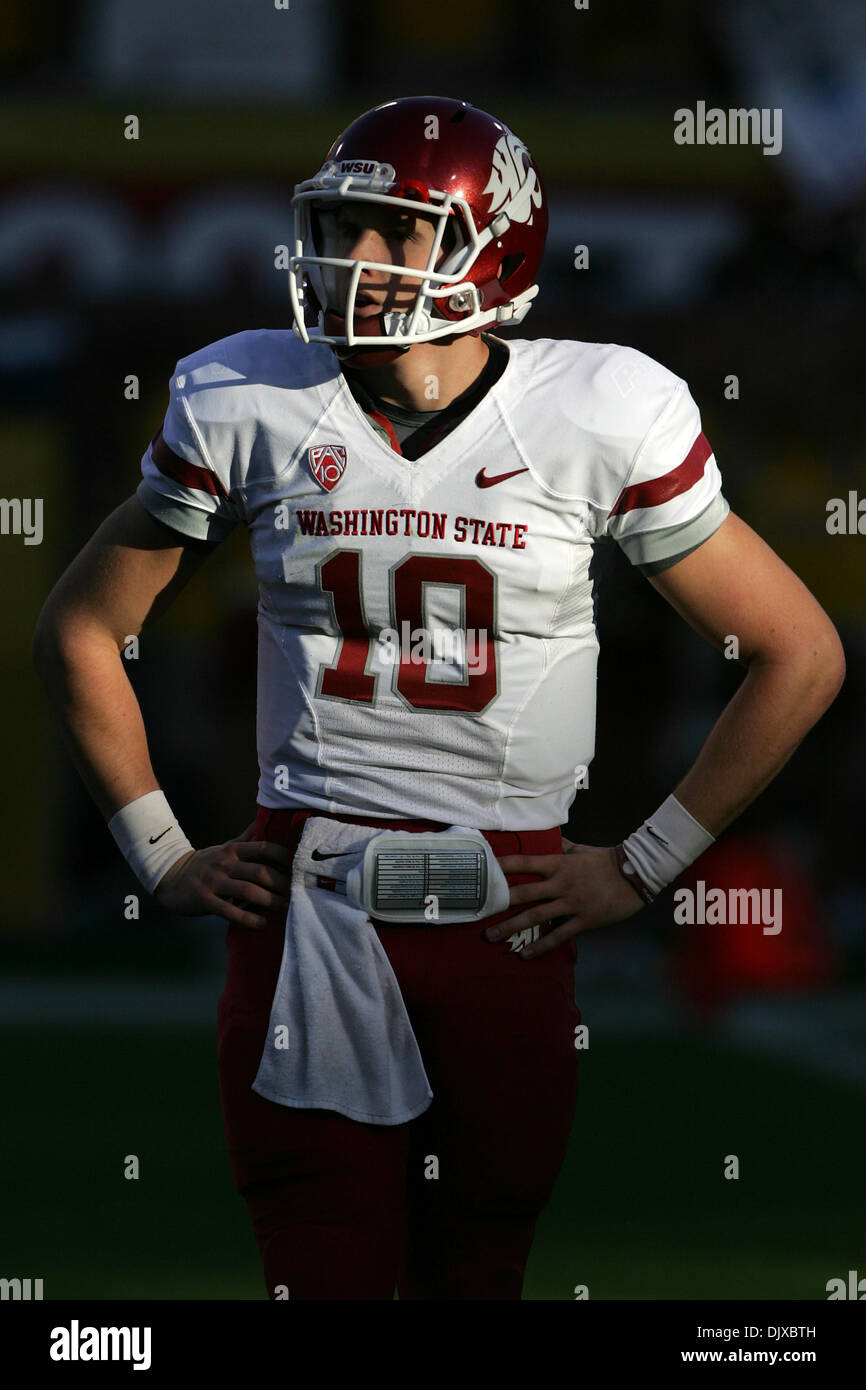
x=427 y=645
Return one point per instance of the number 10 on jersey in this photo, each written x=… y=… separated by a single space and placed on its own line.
x=341 y=576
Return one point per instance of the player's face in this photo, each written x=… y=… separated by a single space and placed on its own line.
x=360 y=231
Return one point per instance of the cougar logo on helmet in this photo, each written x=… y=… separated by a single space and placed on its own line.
x=512 y=181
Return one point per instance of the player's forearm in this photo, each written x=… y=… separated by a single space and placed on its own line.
x=757 y=732
x=100 y=716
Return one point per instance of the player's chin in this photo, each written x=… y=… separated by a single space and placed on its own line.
x=376 y=355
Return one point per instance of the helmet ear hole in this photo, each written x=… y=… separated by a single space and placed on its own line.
x=509 y=265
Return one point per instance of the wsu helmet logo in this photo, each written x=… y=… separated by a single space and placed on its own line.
x=513 y=184
x=327 y=464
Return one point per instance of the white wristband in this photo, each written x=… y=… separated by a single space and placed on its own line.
x=667 y=842
x=149 y=837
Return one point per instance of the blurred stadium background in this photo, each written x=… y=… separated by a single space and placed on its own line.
x=119 y=256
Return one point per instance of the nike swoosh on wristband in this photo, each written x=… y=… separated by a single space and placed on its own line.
x=656 y=836
x=314 y=854
x=482 y=480
x=153 y=839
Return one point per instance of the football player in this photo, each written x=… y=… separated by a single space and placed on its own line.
x=396 y=1037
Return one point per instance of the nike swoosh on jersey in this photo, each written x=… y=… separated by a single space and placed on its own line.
x=482 y=480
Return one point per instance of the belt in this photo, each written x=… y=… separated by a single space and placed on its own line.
x=449 y=878
x=284 y=827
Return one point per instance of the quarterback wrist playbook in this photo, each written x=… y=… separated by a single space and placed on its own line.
x=149 y=837
x=449 y=876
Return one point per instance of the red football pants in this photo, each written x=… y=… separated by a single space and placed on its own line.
x=444 y=1206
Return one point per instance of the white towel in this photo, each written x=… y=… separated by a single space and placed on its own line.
x=339 y=1036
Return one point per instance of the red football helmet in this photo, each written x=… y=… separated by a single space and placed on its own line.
x=459 y=167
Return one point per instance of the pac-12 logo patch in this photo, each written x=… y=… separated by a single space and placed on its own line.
x=327 y=463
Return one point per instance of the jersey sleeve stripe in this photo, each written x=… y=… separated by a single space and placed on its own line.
x=659 y=490
x=189 y=474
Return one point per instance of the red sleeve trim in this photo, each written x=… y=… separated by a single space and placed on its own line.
x=659 y=490
x=189 y=474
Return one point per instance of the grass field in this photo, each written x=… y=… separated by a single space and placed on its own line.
x=641 y=1209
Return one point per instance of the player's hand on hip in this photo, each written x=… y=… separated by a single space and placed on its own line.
x=578 y=889
x=242 y=881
